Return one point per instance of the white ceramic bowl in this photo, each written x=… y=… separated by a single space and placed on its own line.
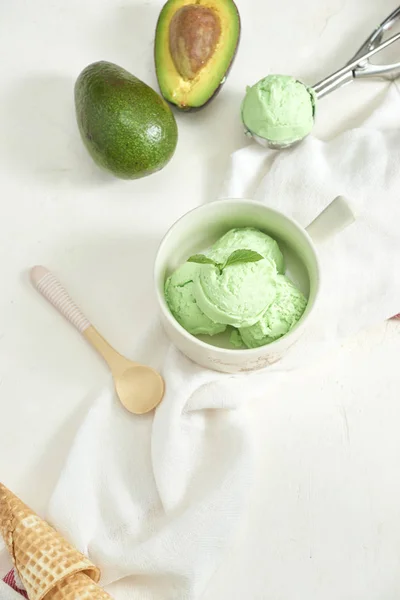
x=197 y=230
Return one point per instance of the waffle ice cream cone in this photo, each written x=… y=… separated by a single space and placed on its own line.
x=48 y=566
x=77 y=587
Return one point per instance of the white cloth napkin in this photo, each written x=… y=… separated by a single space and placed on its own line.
x=155 y=501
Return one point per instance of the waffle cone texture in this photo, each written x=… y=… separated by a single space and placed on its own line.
x=48 y=566
x=77 y=587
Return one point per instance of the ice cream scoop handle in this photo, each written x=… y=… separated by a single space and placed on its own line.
x=323 y=87
x=336 y=216
x=51 y=289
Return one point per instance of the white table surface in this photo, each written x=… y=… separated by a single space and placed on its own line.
x=325 y=519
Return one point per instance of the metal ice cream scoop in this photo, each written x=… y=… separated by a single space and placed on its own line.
x=359 y=66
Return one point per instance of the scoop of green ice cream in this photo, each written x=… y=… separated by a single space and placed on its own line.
x=239 y=294
x=235 y=339
x=247 y=238
x=279 y=318
x=182 y=303
x=279 y=108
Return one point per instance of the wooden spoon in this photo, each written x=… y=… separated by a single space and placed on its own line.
x=139 y=388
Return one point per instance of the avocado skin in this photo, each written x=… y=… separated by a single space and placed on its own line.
x=127 y=127
x=176 y=103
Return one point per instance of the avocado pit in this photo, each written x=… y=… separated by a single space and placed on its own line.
x=193 y=37
x=195 y=44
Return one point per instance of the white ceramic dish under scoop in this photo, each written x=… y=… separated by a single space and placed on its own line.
x=201 y=227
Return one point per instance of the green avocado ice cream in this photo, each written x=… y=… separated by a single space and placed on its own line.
x=235 y=340
x=251 y=239
x=182 y=304
x=279 y=108
x=239 y=294
x=279 y=318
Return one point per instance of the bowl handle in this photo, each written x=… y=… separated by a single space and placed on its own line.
x=336 y=216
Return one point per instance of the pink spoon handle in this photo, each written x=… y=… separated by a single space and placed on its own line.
x=51 y=289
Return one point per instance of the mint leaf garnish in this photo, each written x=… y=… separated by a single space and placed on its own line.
x=237 y=257
x=242 y=256
x=202 y=259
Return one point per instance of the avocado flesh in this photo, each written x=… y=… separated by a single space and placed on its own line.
x=195 y=45
x=125 y=125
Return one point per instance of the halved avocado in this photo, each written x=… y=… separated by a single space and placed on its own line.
x=195 y=44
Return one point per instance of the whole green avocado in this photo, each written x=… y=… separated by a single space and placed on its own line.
x=126 y=126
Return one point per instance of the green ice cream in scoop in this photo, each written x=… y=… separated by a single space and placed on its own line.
x=249 y=238
x=279 y=108
x=239 y=294
x=281 y=316
x=182 y=303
